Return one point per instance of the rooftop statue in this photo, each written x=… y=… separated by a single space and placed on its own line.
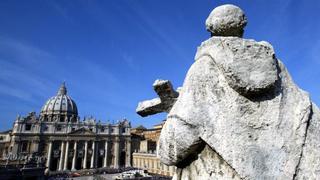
x=238 y=115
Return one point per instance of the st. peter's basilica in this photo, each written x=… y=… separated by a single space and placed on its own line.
x=66 y=142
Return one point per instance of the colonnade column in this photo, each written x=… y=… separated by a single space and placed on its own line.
x=49 y=156
x=128 y=152
x=61 y=156
x=74 y=156
x=84 y=165
x=65 y=167
x=116 y=152
x=105 y=160
x=155 y=163
x=172 y=170
x=93 y=154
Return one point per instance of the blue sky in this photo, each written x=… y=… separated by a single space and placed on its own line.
x=110 y=52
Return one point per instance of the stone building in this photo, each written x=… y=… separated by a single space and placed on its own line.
x=144 y=144
x=67 y=142
x=4 y=142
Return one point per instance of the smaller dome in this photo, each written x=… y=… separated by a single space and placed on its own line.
x=61 y=105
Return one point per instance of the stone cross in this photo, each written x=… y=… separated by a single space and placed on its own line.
x=165 y=101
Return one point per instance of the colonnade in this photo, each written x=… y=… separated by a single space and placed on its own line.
x=64 y=154
x=152 y=163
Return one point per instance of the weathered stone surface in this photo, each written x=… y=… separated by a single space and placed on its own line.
x=240 y=115
x=209 y=165
x=310 y=160
x=259 y=137
x=167 y=97
x=250 y=67
x=226 y=20
x=164 y=89
x=149 y=107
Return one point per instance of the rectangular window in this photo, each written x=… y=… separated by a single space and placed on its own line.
x=28 y=127
x=24 y=146
x=59 y=128
x=62 y=119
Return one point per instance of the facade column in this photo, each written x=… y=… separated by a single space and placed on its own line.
x=105 y=160
x=84 y=165
x=172 y=170
x=15 y=148
x=93 y=155
x=15 y=145
x=49 y=157
x=96 y=156
x=35 y=146
x=168 y=170
x=74 y=156
x=61 y=156
x=116 y=153
x=155 y=161
x=65 y=167
x=142 y=163
x=128 y=152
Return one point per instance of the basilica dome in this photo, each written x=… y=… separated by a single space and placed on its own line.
x=60 y=107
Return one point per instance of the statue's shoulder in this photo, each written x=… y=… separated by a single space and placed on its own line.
x=219 y=44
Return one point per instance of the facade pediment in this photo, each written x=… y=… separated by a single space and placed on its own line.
x=82 y=131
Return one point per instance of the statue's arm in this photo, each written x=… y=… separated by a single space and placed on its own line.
x=180 y=139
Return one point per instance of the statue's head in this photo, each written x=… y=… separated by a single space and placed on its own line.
x=226 y=20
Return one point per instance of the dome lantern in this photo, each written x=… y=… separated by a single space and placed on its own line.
x=60 y=108
x=63 y=89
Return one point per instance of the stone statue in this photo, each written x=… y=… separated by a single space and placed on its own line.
x=239 y=114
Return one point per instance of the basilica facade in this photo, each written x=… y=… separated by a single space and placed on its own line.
x=66 y=142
